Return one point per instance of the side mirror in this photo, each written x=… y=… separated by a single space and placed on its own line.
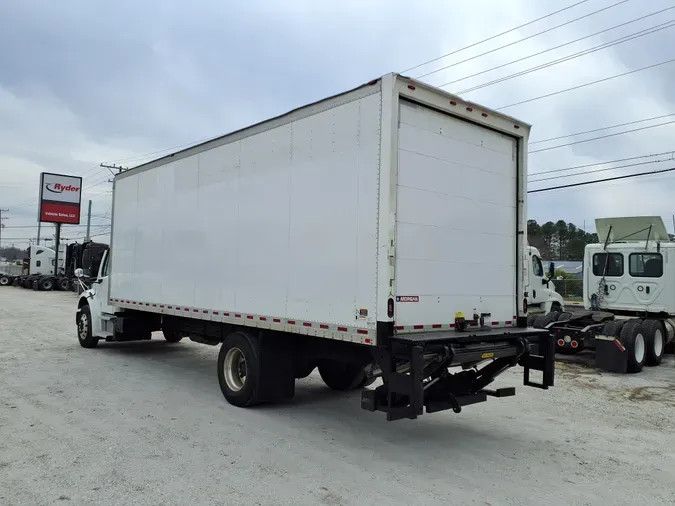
x=79 y=273
x=551 y=270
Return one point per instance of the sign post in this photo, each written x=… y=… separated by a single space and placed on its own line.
x=60 y=200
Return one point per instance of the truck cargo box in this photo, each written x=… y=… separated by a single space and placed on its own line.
x=388 y=203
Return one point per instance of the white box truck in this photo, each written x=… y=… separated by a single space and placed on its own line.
x=379 y=233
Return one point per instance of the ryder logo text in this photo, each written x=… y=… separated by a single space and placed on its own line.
x=60 y=188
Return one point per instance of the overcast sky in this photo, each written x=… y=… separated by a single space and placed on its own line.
x=85 y=81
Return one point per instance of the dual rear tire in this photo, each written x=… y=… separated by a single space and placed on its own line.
x=644 y=341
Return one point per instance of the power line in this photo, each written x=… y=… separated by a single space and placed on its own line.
x=586 y=84
x=602 y=137
x=556 y=47
x=573 y=56
x=595 y=181
x=522 y=40
x=602 y=128
x=601 y=170
x=651 y=155
x=492 y=37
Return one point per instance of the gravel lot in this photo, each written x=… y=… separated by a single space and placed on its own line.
x=145 y=423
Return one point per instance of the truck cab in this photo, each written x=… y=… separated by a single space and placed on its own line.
x=539 y=290
x=41 y=260
x=629 y=271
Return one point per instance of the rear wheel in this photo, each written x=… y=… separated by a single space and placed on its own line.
x=633 y=339
x=655 y=341
x=530 y=319
x=46 y=285
x=64 y=284
x=172 y=336
x=238 y=373
x=84 y=334
x=341 y=376
x=5 y=280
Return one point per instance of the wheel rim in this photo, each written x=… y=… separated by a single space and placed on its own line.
x=658 y=343
x=4 y=281
x=83 y=328
x=47 y=285
x=235 y=369
x=639 y=347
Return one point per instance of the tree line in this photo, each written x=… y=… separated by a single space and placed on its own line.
x=559 y=240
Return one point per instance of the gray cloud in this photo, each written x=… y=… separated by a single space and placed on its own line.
x=86 y=81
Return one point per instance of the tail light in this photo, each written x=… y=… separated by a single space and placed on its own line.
x=390 y=308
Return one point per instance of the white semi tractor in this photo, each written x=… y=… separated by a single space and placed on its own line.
x=629 y=296
x=379 y=233
x=540 y=291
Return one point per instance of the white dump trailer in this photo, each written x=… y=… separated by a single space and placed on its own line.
x=376 y=233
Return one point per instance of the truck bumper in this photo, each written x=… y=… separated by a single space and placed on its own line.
x=416 y=375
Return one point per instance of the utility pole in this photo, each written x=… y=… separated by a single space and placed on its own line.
x=1 y=225
x=112 y=167
x=38 y=236
x=88 y=222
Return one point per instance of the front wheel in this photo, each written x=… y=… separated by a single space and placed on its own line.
x=172 y=336
x=341 y=376
x=5 y=280
x=84 y=334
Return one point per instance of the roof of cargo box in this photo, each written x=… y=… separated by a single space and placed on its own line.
x=412 y=84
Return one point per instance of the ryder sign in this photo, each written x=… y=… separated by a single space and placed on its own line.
x=60 y=198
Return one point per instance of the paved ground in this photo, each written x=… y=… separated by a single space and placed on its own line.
x=145 y=423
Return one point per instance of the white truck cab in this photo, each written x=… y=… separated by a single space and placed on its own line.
x=540 y=290
x=41 y=260
x=632 y=269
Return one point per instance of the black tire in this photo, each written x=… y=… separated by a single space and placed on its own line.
x=84 y=334
x=545 y=319
x=239 y=343
x=564 y=316
x=633 y=339
x=64 y=284
x=172 y=336
x=5 y=280
x=612 y=329
x=530 y=319
x=340 y=376
x=46 y=285
x=556 y=307
x=655 y=341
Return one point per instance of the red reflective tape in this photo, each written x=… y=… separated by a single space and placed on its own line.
x=188 y=309
x=495 y=323
x=452 y=325
x=362 y=331
x=249 y=317
x=194 y=310
x=619 y=345
x=436 y=326
x=367 y=340
x=263 y=319
x=291 y=322
x=226 y=314
x=134 y=302
x=154 y=305
x=306 y=324
x=399 y=327
x=216 y=313
x=418 y=327
x=147 y=304
x=177 y=308
x=237 y=316
x=509 y=323
x=277 y=320
x=342 y=329
x=170 y=307
x=323 y=326
x=205 y=312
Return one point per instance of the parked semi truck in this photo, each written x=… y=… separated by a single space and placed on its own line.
x=540 y=292
x=629 y=297
x=376 y=234
x=38 y=262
